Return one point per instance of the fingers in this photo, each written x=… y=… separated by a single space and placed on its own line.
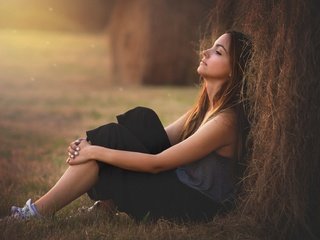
x=79 y=140
x=74 y=149
x=70 y=161
x=74 y=145
x=73 y=152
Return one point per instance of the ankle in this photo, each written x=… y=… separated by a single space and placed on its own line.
x=28 y=211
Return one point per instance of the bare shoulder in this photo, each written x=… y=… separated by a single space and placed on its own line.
x=227 y=118
x=225 y=124
x=222 y=124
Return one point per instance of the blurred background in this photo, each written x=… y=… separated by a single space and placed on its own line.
x=68 y=66
x=70 y=15
x=135 y=31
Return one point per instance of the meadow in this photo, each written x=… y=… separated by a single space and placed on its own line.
x=53 y=87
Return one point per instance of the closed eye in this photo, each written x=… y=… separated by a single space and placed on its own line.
x=219 y=53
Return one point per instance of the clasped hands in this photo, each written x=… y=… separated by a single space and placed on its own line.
x=78 y=151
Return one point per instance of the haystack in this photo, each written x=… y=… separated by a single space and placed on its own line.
x=156 y=42
x=282 y=182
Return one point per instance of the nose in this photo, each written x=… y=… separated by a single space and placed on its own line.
x=205 y=53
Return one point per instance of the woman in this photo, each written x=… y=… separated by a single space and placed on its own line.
x=185 y=171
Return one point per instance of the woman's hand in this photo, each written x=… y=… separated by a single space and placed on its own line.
x=79 y=152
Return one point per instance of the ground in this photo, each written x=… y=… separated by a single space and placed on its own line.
x=54 y=86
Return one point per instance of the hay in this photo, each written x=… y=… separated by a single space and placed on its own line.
x=282 y=181
x=156 y=42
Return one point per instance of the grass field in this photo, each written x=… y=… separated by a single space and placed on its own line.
x=53 y=87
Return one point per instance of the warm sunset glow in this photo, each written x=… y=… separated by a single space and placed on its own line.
x=54 y=15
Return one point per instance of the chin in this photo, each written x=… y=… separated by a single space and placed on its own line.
x=199 y=71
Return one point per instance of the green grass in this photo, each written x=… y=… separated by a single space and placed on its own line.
x=54 y=86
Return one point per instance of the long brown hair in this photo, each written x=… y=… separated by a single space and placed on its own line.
x=231 y=94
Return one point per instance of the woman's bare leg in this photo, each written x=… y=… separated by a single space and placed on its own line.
x=76 y=180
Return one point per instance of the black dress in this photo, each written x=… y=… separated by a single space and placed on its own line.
x=137 y=193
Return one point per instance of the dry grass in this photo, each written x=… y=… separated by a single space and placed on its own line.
x=54 y=86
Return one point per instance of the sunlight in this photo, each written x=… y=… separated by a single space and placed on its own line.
x=69 y=15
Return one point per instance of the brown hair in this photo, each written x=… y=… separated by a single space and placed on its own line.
x=231 y=94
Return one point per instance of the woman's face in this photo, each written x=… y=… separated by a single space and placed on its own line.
x=215 y=62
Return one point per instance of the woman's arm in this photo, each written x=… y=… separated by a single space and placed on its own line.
x=174 y=130
x=216 y=133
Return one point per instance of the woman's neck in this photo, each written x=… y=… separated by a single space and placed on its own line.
x=212 y=88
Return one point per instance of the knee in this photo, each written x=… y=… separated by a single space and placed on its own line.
x=144 y=110
x=104 y=130
x=90 y=166
x=142 y=114
x=106 y=135
x=112 y=125
x=111 y=128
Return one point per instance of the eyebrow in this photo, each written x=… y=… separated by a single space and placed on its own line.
x=219 y=45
